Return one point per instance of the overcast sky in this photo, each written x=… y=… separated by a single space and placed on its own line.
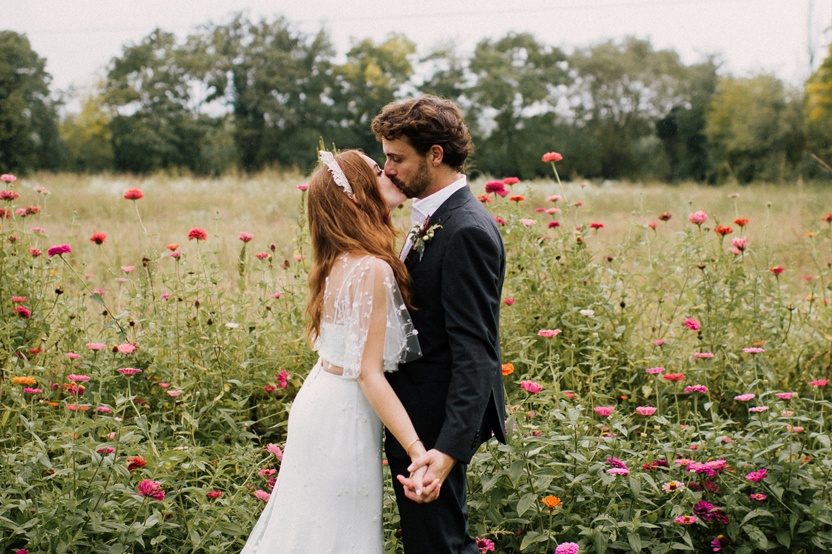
x=79 y=37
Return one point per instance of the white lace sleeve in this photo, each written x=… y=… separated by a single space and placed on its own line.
x=367 y=294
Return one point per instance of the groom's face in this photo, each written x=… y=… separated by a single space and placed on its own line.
x=408 y=169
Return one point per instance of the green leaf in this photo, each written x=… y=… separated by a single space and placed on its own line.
x=526 y=502
x=759 y=512
x=635 y=541
x=755 y=534
x=532 y=537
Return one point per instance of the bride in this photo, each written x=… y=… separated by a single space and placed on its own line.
x=328 y=495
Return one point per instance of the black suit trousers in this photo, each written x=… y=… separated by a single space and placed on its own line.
x=438 y=527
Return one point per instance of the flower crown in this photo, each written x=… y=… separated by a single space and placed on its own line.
x=328 y=159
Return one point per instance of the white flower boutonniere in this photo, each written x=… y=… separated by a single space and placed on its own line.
x=420 y=235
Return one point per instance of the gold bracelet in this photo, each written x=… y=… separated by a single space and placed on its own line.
x=411 y=444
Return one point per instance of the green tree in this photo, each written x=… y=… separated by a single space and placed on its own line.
x=87 y=137
x=819 y=111
x=274 y=81
x=156 y=122
x=682 y=131
x=28 y=116
x=753 y=127
x=518 y=82
x=372 y=76
x=620 y=89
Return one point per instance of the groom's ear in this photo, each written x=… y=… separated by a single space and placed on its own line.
x=435 y=155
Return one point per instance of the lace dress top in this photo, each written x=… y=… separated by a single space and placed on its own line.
x=351 y=295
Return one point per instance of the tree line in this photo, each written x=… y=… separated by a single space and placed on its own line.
x=251 y=94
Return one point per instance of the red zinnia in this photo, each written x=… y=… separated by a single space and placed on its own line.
x=551 y=157
x=511 y=181
x=496 y=187
x=133 y=194
x=723 y=230
x=151 y=489
x=517 y=198
x=596 y=225
x=197 y=234
x=135 y=462
x=23 y=312
x=98 y=238
x=665 y=216
x=675 y=377
x=776 y=270
x=741 y=221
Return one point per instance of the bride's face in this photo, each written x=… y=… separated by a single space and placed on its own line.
x=390 y=193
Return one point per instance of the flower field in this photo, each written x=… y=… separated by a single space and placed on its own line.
x=667 y=356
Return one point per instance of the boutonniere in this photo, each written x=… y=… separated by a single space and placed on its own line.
x=420 y=235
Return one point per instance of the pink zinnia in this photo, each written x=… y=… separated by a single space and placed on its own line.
x=30 y=390
x=197 y=234
x=72 y=355
x=282 y=379
x=246 y=237
x=692 y=323
x=698 y=218
x=685 y=520
x=618 y=471
x=128 y=371
x=106 y=450
x=59 y=250
x=703 y=355
x=214 y=494
x=659 y=342
x=262 y=495
x=785 y=395
x=745 y=397
x=531 y=387
x=303 y=187
x=604 y=411
x=8 y=178
x=553 y=224
x=701 y=389
x=508 y=301
x=527 y=222
x=19 y=299
x=485 y=545
x=104 y=409
x=78 y=378
x=175 y=393
x=23 y=312
x=551 y=157
x=511 y=181
x=96 y=346
x=738 y=245
x=758 y=496
x=757 y=476
x=151 y=489
x=645 y=410
x=567 y=548
x=654 y=370
x=275 y=450
x=35 y=252
x=753 y=350
x=548 y=333
x=758 y=409
x=819 y=383
x=126 y=348
x=133 y=194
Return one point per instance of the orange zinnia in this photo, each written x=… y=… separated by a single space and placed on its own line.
x=550 y=501
x=508 y=369
x=28 y=381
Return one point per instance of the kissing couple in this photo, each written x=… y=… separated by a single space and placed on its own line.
x=406 y=341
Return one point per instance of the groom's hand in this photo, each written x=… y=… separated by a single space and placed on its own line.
x=439 y=465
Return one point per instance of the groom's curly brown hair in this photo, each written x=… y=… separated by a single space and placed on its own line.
x=425 y=121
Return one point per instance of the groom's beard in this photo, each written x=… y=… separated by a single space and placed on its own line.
x=418 y=184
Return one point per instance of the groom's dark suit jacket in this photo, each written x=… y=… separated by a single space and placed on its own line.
x=454 y=392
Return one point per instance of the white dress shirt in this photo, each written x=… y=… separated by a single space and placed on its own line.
x=423 y=208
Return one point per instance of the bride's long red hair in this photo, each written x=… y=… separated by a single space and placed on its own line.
x=338 y=224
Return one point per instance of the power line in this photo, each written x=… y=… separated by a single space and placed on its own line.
x=575 y=6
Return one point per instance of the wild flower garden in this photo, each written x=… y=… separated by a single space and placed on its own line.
x=667 y=357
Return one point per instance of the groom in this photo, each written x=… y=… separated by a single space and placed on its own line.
x=454 y=392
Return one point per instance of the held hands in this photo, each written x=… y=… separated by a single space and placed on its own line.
x=427 y=473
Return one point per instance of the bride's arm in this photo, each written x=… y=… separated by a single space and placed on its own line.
x=372 y=381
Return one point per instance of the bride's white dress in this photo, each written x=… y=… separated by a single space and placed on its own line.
x=328 y=495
